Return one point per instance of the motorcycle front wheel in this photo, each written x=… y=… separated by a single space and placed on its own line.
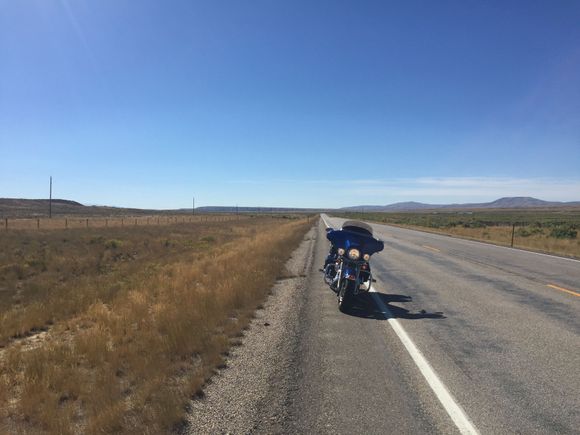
x=345 y=295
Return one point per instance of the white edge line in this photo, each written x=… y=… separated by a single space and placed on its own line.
x=452 y=408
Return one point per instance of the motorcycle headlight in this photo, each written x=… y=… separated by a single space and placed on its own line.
x=354 y=254
x=366 y=257
x=340 y=251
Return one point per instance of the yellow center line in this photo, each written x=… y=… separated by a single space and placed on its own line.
x=562 y=289
x=432 y=248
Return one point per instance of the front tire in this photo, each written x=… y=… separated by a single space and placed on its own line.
x=345 y=295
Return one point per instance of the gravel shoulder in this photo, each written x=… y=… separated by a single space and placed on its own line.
x=250 y=395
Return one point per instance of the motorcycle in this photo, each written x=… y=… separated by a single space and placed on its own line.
x=347 y=269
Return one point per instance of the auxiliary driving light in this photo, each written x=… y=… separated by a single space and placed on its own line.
x=340 y=251
x=366 y=257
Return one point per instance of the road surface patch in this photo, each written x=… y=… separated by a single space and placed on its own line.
x=431 y=248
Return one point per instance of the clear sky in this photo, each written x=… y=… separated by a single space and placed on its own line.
x=289 y=103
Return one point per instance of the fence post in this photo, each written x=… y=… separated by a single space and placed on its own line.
x=513 y=233
x=87 y=222
x=66 y=223
x=37 y=223
x=135 y=221
x=6 y=223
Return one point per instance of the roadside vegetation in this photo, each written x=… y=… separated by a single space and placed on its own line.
x=553 y=231
x=115 y=329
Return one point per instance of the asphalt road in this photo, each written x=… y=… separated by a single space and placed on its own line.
x=456 y=337
x=499 y=327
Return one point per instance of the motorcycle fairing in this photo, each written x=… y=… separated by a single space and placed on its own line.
x=348 y=239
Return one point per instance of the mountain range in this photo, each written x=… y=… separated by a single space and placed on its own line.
x=15 y=207
x=507 y=202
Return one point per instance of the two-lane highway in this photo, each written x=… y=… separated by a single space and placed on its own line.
x=500 y=327
x=456 y=337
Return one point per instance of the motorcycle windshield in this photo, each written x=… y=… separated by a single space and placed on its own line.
x=347 y=239
x=358 y=227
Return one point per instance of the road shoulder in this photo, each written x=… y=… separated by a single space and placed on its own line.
x=250 y=393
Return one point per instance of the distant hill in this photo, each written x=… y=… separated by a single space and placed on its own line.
x=524 y=202
x=33 y=208
x=507 y=202
x=23 y=203
x=225 y=209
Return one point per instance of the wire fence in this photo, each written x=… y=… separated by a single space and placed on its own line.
x=8 y=224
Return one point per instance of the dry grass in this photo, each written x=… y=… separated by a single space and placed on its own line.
x=127 y=358
x=502 y=235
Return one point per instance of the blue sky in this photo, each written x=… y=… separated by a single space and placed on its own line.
x=289 y=103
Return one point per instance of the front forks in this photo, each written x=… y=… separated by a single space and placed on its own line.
x=335 y=280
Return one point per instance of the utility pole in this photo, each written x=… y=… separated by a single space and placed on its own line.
x=50 y=200
x=193 y=207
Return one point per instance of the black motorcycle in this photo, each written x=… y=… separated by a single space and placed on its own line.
x=347 y=269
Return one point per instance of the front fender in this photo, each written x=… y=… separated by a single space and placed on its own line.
x=350 y=273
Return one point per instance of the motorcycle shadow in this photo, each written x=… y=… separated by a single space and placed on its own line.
x=364 y=306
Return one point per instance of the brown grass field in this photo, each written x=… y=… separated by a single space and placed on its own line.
x=115 y=329
x=501 y=235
